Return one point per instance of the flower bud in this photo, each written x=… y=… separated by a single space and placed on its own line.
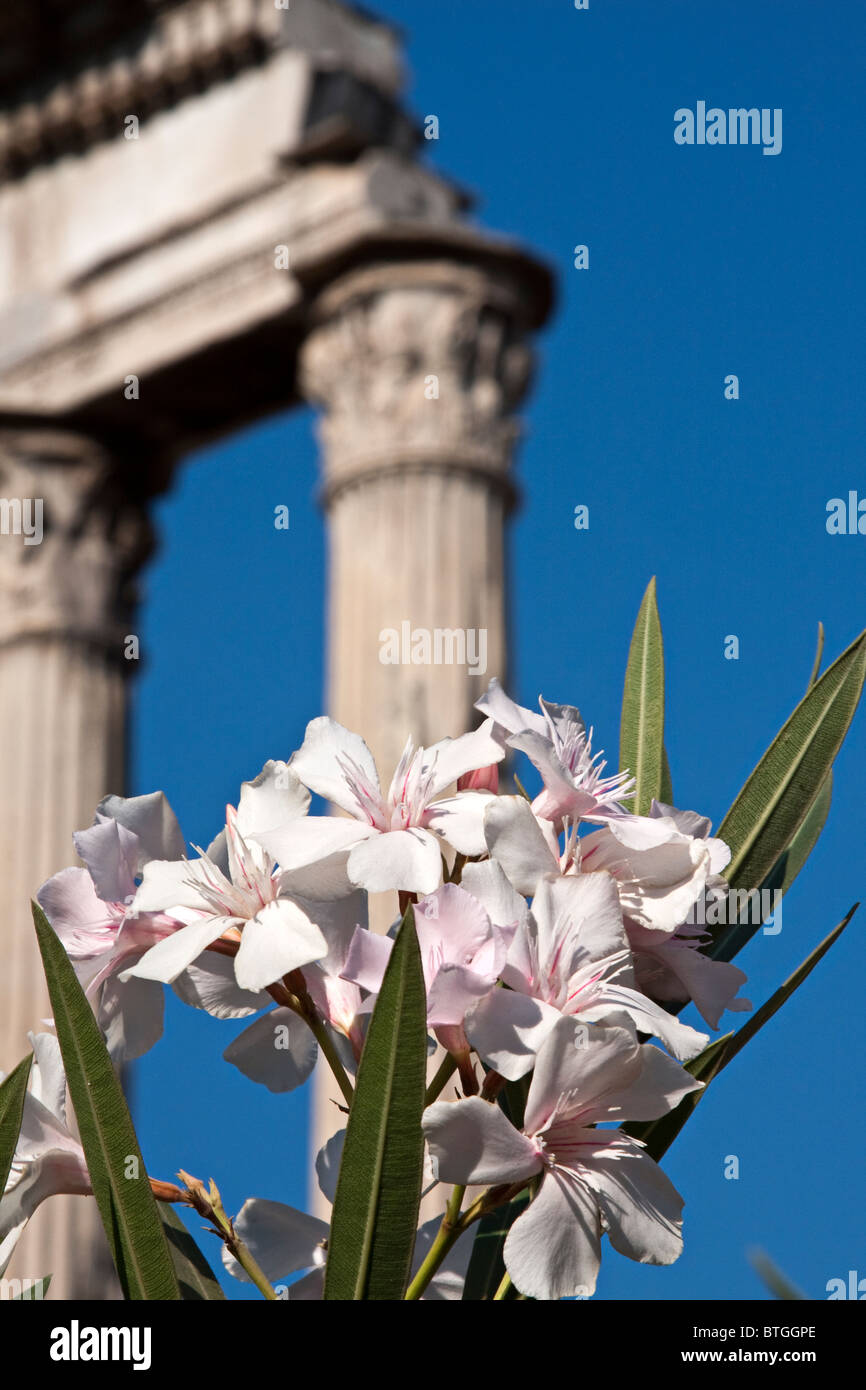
x=482 y=779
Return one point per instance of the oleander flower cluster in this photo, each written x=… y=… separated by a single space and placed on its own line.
x=557 y=943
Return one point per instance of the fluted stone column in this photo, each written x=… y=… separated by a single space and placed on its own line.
x=65 y=609
x=419 y=367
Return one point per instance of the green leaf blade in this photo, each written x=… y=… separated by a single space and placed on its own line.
x=12 y=1093
x=789 y=778
x=126 y=1204
x=196 y=1280
x=379 y=1188
x=642 y=726
x=658 y=1135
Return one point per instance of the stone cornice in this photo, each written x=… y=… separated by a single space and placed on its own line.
x=67 y=97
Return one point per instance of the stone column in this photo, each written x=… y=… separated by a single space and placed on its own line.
x=65 y=609
x=419 y=367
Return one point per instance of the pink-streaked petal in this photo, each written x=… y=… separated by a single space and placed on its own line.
x=657 y=1088
x=471 y=1141
x=711 y=984
x=682 y=1042
x=560 y=796
x=578 y=919
x=452 y=926
x=580 y=1062
x=170 y=883
x=169 y=957
x=553 y=1250
x=277 y=1051
x=507 y=714
x=78 y=915
x=279 y=939
x=318 y=762
x=453 y=991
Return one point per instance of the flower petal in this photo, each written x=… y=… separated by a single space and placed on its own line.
x=517 y=840
x=311 y=840
x=211 y=985
x=367 y=960
x=507 y=1029
x=151 y=820
x=508 y=715
x=272 y=800
x=318 y=762
x=471 y=1141
x=130 y=1015
x=328 y=1161
x=406 y=860
x=641 y=1208
x=504 y=906
x=277 y=1051
x=110 y=852
x=454 y=756
x=282 y=1240
x=280 y=938
x=682 y=1042
x=460 y=820
x=174 y=953
x=553 y=1250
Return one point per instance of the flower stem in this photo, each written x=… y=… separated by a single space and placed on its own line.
x=329 y=1051
x=208 y=1204
x=452 y=1228
x=446 y=1070
x=502 y=1291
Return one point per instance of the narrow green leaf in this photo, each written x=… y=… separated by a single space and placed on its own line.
x=196 y=1279
x=777 y=799
x=486 y=1265
x=379 y=1188
x=666 y=793
x=819 y=652
x=779 y=1284
x=658 y=1135
x=12 y=1093
x=37 y=1290
x=642 y=727
x=737 y=934
x=126 y=1204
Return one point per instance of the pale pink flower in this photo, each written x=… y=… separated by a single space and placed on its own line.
x=393 y=840
x=48 y=1159
x=591 y=1180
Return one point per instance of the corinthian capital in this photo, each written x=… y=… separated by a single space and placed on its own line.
x=418 y=365
x=71 y=540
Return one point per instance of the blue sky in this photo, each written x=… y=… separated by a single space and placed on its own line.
x=704 y=261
